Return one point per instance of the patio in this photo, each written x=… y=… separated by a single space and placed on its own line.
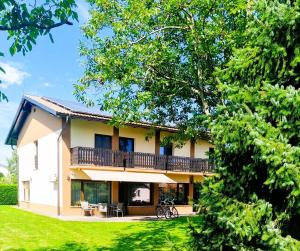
x=97 y=218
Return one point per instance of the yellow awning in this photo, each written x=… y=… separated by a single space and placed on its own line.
x=128 y=176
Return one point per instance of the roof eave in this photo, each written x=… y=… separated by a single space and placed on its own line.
x=11 y=139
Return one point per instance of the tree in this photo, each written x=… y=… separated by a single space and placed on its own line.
x=25 y=22
x=12 y=167
x=157 y=63
x=162 y=62
x=253 y=202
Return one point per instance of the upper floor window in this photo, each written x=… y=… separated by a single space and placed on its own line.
x=126 y=144
x=103 y=141
x=36 y=155
x=166 y=150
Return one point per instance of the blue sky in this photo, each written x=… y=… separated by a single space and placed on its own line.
x=50 y=69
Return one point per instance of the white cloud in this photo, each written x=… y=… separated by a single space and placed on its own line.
x=47 y=84
x=13 y=75
x=83 y=11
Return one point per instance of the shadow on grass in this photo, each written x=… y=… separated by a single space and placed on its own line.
x=162 y=235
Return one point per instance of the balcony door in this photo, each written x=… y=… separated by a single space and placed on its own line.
x=102 y=153
x=126 y=144
x=103 y=141
x=166 y=150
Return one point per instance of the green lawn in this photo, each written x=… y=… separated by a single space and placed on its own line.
x=20 y=230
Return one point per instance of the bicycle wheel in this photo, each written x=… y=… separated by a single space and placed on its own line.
x=160 y=213
x=174 y=213
x=168 y=213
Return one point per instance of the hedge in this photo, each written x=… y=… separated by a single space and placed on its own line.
x=8 y=194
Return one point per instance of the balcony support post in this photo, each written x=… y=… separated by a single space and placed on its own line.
x=192 y=148
x=115 y=139
x=157 y=142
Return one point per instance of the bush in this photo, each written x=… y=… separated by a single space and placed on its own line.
x=8 y=194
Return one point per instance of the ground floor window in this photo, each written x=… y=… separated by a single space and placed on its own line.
x=136 y=194
x=26 y=190
x=92 y=191
x=179 y=192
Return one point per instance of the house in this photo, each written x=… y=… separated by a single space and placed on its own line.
x=69 y=153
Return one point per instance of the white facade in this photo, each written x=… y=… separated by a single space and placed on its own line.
x=43 y=188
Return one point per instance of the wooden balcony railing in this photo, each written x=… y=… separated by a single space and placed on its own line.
x=105 y=157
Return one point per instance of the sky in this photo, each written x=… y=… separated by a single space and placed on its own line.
x=50 y=69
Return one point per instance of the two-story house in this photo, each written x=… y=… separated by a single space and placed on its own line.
x=69 y=153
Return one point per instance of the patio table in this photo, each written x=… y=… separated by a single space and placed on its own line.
x=94 y=206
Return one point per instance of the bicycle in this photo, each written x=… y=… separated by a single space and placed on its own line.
x=167 y=209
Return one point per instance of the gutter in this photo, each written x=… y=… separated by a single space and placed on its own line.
x=58 y=164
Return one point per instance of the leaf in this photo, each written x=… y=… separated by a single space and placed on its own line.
x=12 y=50
x=2 y=70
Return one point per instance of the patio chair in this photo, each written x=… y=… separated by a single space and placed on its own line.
x=85 y=207
x=103 y=208
x=119 y=209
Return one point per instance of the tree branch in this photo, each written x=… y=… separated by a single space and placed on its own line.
x=158 y=30
x=34 y=25
x=165 y=76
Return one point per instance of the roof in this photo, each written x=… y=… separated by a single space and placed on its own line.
x=63 y=108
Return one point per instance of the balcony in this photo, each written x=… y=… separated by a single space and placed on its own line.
x=81 y=156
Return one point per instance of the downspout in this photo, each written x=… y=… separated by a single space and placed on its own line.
x=58 y=165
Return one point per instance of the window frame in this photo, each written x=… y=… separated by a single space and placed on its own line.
x=126 y=138
x=104 y=135
x=186 y=193
x=164 y=150
x=82 y=189
x=124 y=194
x=36 y=155
x=26 y=188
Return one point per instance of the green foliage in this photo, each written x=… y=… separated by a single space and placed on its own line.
x=253 y=202
x=231 y=65
x=25 y=21
x=12 y=167
x=157 y=64
x=8 y=194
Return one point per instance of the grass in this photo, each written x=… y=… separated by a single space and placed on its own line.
x=21 y=230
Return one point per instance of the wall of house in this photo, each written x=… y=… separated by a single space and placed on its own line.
x=83 y=132
x=44 y=128
x=140 y=142
x=183 y=151
x=202 y=148
x=38 y=124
